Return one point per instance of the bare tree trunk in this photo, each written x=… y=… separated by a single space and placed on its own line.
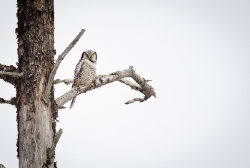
x=36 y=120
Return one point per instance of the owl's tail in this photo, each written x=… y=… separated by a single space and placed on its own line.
x=72 y=102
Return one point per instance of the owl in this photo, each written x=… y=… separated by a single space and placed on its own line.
x=85 y=71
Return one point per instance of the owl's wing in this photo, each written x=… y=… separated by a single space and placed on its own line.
x=78 y=69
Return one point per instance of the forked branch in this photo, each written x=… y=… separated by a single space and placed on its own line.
x=101 y=80
x=58 y=61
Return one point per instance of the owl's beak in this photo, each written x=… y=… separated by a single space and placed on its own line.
x=88 y=56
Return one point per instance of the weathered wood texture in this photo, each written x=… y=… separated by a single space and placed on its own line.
x=36 y=121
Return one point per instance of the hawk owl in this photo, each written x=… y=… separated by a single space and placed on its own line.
x=85 y=71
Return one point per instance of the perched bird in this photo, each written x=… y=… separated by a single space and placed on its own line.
x=85 y=71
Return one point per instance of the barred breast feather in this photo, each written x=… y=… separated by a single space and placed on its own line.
x=85 y=72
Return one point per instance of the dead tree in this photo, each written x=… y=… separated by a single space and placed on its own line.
x=34 y=81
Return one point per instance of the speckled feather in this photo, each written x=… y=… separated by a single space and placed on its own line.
x=85 y=72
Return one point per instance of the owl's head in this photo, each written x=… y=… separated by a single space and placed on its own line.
x=90 y=55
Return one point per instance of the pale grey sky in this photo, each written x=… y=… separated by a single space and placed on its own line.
x=197 y=54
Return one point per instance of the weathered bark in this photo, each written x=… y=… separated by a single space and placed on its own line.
x=36 y=121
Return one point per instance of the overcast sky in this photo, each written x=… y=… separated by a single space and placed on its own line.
x=195 y=51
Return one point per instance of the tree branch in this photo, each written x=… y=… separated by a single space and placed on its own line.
x=66 y=81
x=12 y=101
x=135 y=99
x=132 y=85
x=58 y=61
x=13 y=74
x=101 y=80
x=125 y=81
x=53 y=147
x=9 y=74
x=148 y=90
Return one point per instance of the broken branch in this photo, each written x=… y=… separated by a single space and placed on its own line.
x=135 y=99
x=9 y=74
x=55 y=141
x=12 y=101
x=58 y=61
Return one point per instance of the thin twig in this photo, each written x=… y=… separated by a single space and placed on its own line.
x=13 y=74
x=135 y=99
x=58 y=61
x=66 y=81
